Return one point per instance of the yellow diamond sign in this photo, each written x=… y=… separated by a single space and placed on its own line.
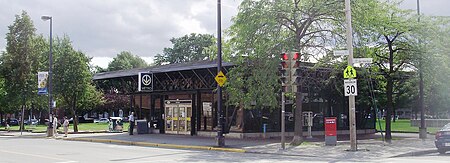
x=221 y=78
x=349 y=72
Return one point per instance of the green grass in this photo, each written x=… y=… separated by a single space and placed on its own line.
x=403 y=125
x=81 y=127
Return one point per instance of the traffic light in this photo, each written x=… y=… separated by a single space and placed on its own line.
x=289 y=67
x=285 y=77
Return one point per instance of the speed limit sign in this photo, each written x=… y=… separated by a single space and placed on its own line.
x=350 y=87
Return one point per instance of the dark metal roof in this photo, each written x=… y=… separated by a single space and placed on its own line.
x=159 y=69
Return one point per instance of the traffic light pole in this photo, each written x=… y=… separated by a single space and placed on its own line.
x=351 y=98
x=283 y=122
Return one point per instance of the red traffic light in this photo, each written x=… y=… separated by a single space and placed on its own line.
x=295 y=56
x=284 y=56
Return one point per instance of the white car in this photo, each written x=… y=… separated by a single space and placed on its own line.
x=101 y=120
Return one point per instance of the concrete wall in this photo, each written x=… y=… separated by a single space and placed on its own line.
x=431 y=122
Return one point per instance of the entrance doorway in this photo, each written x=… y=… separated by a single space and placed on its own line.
x=177 y=116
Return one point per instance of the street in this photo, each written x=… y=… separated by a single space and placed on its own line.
x=16 y=149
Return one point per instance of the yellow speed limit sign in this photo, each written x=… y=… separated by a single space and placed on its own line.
x=220 y=78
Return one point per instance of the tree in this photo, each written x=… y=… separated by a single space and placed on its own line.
x=262 y=30
x=433 y=53
x=125 y=60
x=186 y=49
x=389 y=30
x=72 y=79
x=3 y=101
x=20 y=63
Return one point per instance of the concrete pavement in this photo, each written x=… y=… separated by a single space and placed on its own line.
x=403 y=144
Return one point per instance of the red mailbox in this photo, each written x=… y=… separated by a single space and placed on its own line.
x=330 y=131
x=330 y=126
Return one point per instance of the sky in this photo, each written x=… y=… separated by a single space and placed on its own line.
x=103 y=28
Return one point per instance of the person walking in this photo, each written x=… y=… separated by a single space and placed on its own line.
x=7 y=124
x=131 y=120
x=66 y=126
x=55 y=126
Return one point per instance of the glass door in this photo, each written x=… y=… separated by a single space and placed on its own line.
x=178 y=118
x=182 y=119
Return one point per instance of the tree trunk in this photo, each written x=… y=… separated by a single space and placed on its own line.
x=21 y=128
x=240 y=118
x=393 y=113
x=75 y=120
x=298 y=130
x=389 y=109
x=75 y=116
x=390 y=87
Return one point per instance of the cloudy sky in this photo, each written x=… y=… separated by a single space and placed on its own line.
x=103 y=28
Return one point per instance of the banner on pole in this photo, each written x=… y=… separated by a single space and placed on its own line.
x=42 y=83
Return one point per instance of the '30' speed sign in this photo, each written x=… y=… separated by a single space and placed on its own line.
x=350 y=87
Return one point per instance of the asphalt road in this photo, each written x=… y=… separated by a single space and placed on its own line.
x=37 y=150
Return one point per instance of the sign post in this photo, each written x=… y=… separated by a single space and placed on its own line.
x=351 y=99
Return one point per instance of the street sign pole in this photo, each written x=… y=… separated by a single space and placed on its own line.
x=220 y=127
x=351 y=99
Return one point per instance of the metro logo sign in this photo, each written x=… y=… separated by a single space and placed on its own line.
x=145 y=82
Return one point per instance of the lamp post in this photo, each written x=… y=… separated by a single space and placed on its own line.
x=423 y=127
x=50 y=98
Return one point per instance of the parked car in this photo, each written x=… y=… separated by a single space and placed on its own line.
x=81 y=119
x=13 y=122
x=101 y=120
x=31 y=122
x=442 y=141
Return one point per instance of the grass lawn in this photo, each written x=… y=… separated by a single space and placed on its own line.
x=81 y=127
x=403 y=125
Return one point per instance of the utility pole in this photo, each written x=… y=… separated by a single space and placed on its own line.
x=351 y=98
x=423 y=127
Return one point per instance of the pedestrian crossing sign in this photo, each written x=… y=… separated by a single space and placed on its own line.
x=349 y=72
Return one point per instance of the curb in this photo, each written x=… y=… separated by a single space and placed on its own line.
x=417 y=153
x=147 y=144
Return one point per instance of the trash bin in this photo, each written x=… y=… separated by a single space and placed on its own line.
x=142 y=126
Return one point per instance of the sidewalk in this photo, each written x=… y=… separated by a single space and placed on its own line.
x=403 y=144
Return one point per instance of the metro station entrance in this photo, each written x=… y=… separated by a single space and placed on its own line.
x=177 y=116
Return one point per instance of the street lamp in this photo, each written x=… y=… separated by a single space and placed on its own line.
x=423 y=127
x=50 y=99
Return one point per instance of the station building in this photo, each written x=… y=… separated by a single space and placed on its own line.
x=181 y=99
